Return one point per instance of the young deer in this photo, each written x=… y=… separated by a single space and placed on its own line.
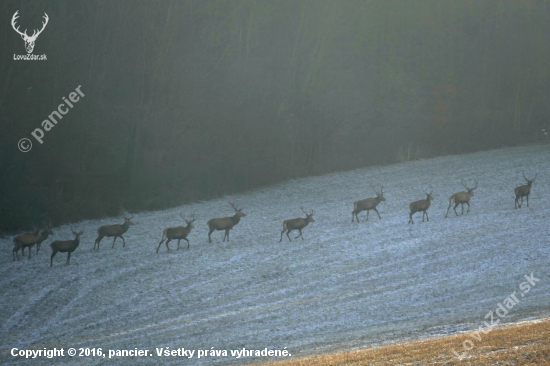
x=461 y=198
x=179 y=232
x=30 y=239
x=421 y=205
x=113 y=230
x=523 y=191
x=65 y=246
x=368 y=204
x=297 y=224
x=225 y=223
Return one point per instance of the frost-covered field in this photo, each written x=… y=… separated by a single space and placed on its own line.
x=346 y=285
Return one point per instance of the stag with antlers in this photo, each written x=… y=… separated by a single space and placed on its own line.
x=461 y=198
x=179 y=232
x=29 y=40
x=297 y=224
x=368 y=204
x=113 y=230
x=421 y=205
x=225 y=223
x=523 y=191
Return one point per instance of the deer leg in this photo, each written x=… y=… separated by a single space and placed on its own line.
x=209 y=239
x=411 y=218
x=178 y=244
x=30 y=247
x=114 y=242
x=159 y=245
x=300 y=230
x=15 y=253
x=187 y=242
x=123 y=241
x=427 y=217
x=462 y=207
x=375 y=210
x=68 y=259
x=468 y=203
x=38 y=247
x=352 y=217
x=284 y=231
x=167 y=247
x=100 y=239
x=51 y=258
x=226 y=235
x=288 y=232
x=527 y=200
x=367 y=219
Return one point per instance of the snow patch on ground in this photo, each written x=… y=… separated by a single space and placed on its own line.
x=347 y=285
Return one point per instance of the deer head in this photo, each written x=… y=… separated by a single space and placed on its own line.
x=529 y=181
x=379 y=195
x=309 y=216
x=29 y=40
x=188 y=222
x=470 y=191
x=238 y=211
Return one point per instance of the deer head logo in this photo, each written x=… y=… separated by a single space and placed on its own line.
x=29 y=40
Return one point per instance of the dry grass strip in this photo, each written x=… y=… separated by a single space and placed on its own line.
x=526 y=343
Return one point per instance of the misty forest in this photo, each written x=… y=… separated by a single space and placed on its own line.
x=193 y=100
x=307 y=177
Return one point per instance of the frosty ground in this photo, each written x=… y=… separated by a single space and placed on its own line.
x=347 y=285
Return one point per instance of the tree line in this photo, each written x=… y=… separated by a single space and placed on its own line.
x=191 y=100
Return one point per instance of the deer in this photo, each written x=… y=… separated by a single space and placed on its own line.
x=179 y=232
x=65 y=246
x=368 y=204
x=113 y=230
x=297 y=224
x=523 y=191
x=30 y=239
x=461 y=198
x=421 y=205
x=225 y=223
x=29 y=40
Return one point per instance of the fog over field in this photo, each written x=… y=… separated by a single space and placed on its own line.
x=346 y=285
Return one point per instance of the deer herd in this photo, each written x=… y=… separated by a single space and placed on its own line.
x=28 y=240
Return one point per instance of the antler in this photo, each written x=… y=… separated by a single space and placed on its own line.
x=190 y=221
x=24 y=34
x=529 y=180
x=13 y=19
x=75 y=233
x=307 y=214
x=235 y=207
x=35 y=34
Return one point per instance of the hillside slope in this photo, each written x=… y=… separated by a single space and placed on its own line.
x=346 y=285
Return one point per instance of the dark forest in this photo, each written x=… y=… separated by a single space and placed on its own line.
x=192 y=100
